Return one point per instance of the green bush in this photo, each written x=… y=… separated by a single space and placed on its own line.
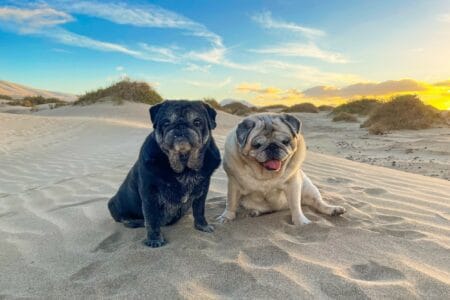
x=31 y=101
x=326 y=108
x=302 y=107
x=212 y=102
x=362 y=107
x=237 y=108
x=402 y=112
x=126 y=90
x=5 y=97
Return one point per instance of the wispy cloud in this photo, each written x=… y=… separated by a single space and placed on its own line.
x=266 y=20
x=444 y=18
x=303 y=50
x=147 y=15
x=210 y=84
x=32 y=20
x=367 y=89
x=120 y=68
x=197 y=68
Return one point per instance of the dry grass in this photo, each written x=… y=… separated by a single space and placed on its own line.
x=302 y=107
x=345 y=117
x=403 y=112
x=213 y=103
x=326 y=108
x=239 y=109
x=31 y=101
x=362 y=107
x=124 y=90
x=274 y=108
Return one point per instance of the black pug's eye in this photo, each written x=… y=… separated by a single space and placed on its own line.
x=286 y=142
x=165 y=123
x=197 y=122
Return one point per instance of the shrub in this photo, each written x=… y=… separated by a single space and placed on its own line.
x=213 y=102
x=362 y=107
x=302 y=107
x=31 y=101
x=402 y=112
x=237 y=108
x=126 y=89
x=274 y=108
x=344 y=116
x=5 y=97
x=326 y=108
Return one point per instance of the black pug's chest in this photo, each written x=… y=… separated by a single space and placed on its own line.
x=182 y=189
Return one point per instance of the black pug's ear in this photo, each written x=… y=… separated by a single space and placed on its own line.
x=243 y=130
x=294 y=124
x=154 y=111
x=211 y=115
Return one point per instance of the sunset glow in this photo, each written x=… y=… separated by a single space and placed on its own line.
x=278 y=52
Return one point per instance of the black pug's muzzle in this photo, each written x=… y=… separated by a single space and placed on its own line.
x=183 y=146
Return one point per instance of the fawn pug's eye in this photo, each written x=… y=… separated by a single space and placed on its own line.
x=286 y=142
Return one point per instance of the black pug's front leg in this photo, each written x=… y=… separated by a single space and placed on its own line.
x=152 y=216
x=198 y=211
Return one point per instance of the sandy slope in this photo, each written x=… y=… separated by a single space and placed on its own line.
x=58 y=240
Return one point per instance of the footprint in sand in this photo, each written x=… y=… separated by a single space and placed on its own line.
x=374 y=191
x=338 y=180
x=396 y=231
x=87 y=271
x=110 y=243
x=267 y=256
x=308 y=234
x=373 y=271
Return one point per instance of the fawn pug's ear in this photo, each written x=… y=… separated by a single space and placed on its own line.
x=243 y=130
x=294 y=124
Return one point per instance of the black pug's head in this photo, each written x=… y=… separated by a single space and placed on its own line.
x=182 y=130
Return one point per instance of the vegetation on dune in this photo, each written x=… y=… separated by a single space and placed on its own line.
x=275 y=107
x=237 y=108
x=5 y=97
x=345 y=117
x=32 y=101
x=212 y=102
x=326 y=108
x=362 y=107
x=403 y=112
x=302 y=107
x=134 y=91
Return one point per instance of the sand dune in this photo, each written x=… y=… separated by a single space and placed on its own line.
x=58 y=168
x=16 y=90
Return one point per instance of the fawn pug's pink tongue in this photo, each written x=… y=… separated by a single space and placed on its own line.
x=272 y=165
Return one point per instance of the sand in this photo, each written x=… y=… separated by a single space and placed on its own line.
x=58 y=169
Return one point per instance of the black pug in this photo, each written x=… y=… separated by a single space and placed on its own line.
x=172 y=172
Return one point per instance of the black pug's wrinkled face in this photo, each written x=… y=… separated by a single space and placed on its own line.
x=182 y=129
x=269 y=139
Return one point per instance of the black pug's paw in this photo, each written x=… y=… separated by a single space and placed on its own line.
x=155 y=243
x=205 y=227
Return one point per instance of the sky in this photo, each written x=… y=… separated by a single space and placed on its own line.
x=266 y=52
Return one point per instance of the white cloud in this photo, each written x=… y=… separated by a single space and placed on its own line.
x=210 y=84
x=151 y=16
x=120 y=68
x=266 y=20
x=444 y=18
x=31 y=20
x=197 y=68
x=303 y=50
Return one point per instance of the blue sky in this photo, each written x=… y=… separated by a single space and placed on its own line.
x=263 y=51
